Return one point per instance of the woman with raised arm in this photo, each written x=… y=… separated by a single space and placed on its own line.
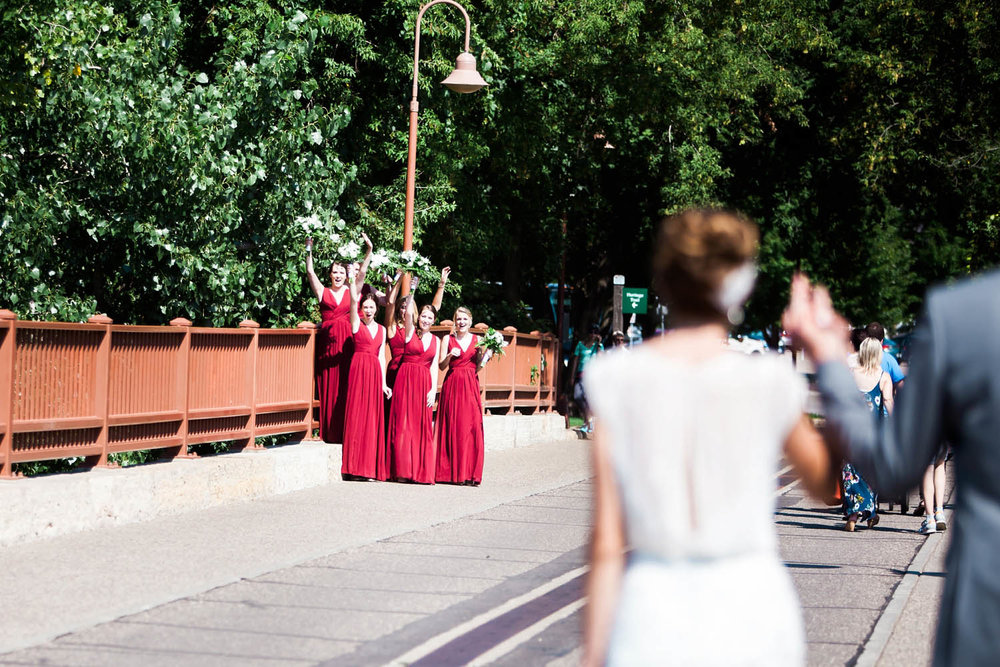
x=459 y=437
x=411 y=435
x=394 y=326
x=686 y=444
x=365 y=455
x=362 y=270
x=333 y=347
x=395 y=333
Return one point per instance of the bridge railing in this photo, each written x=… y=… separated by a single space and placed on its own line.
x=90 y=390
x=523 y=378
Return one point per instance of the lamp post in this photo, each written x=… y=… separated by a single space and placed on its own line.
x=463 y=79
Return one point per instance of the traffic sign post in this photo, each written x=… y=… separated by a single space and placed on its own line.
x=616 y=314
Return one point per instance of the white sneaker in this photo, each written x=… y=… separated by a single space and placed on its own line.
x=928 y=526
x=939 y=521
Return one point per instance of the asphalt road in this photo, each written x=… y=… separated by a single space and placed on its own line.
x=496 y=580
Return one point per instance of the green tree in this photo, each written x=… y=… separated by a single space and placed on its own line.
x=168 y=159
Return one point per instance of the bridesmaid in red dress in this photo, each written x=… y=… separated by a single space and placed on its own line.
x=365 y=454
x=394 y=325
x=395 y=333
x=411 y=437
x=460 y=408
x=333 y=347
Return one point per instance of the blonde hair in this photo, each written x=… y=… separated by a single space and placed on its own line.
x=460 y=309
x=870 y=355
x=695 y=250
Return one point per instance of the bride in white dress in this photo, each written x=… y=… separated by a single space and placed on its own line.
x=687 y=438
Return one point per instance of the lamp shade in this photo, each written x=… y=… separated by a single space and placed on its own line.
x=464 y=78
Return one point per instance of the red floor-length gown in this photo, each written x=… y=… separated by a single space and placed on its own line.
x=395 y=344
x=333 y=361
x=411 y=436
x=460 y=420
x=396 y=348
x=364 y=435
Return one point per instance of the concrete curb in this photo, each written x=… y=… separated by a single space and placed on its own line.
x=886 y=625
x=49 y=506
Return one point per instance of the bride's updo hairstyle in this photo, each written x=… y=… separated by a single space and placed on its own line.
x=695 y=251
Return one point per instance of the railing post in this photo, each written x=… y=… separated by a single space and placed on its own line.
x=183 y=371
x=102 y=380
x=513 y=368
x=552 y=354
x=538 y=377
x=7 y=393
x=310 y=368
x=481 y=374
x=251 y=442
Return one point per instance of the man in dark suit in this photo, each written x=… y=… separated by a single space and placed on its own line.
x=952 y=393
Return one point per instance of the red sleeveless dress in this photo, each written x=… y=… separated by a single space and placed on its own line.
x=333 y=359
x=396 y=348
x=395 y=345
x=411 y=437
x=460 y=420
x=364 y=435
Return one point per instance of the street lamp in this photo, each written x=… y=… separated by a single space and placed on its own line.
x=463 y=79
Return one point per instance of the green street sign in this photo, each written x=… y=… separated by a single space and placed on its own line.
x=634 y=300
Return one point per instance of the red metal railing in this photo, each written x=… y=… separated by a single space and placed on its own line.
x=93 y=389
x=523 y=378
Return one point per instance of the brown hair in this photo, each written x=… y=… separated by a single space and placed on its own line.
x=695 y=250
x=400 y=309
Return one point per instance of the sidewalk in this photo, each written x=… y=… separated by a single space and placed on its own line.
x=72 y=582
x=68 y=503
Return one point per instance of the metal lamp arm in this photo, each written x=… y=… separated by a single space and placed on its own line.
x=416 y=46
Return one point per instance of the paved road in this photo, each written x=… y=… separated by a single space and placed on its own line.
x=497 y=580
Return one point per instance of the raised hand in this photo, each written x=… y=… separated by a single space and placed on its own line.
x=368 y=241
x=813 y=323
x=445 y=272
x=414 y=283
x=309 y=244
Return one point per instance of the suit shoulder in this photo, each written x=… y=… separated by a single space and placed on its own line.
x=962 y=292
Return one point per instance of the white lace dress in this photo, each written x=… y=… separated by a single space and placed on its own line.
x=694 y=448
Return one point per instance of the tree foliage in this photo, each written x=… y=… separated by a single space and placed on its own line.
x=154 y=159
x=170 y=160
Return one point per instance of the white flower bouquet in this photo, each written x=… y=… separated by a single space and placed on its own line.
x=492 y=342
x=418 y=266
x=380 y=258
x=413 y=262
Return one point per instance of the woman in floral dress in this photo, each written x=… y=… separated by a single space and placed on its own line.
x=860 y=502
